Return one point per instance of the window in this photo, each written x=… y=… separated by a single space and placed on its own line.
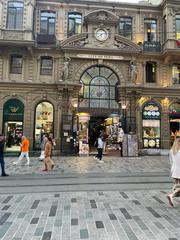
x=125 y=27
x=150 y=30
x=16 y=64
x=74 y=24
x=99 y=88
x=176 y=74
x=150 y=72
x=46 y=66
x=48 y=22
x=177 y=26
x=15 y=15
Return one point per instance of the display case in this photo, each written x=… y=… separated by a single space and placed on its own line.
x=151 y=125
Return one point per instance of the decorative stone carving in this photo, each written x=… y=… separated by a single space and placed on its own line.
x=75 y=41
x=101 y=16
x=171 y=12
x=126 y=45
x=133 y=71
x=65 y=70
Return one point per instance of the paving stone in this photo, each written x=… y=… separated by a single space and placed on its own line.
x=84 y=234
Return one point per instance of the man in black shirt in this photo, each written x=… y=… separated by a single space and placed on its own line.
x=2 y=156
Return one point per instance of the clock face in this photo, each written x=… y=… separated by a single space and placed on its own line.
x=101 y=34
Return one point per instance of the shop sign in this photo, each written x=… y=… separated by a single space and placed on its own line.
x=13 y=110
x=104 y=57
x=151 y=111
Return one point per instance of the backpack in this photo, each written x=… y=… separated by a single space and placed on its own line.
x=96 y=143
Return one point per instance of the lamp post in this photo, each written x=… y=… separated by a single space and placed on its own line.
x=124 y=106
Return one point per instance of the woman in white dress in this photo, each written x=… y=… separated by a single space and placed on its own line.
x=174 y=156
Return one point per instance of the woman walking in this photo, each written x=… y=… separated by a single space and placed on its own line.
x=174 y=156
x=48 y=162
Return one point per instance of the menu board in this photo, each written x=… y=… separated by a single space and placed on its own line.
x=151 y=125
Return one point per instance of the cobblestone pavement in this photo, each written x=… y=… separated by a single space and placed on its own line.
x=89 y=165
x=112 y=215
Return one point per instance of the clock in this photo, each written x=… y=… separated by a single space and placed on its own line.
x=101 y=34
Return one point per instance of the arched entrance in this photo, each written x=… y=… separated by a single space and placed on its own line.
x=98 y=108
x=13 y=117
x=174 y=119
x=44 y=117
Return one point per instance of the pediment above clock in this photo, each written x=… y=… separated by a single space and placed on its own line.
x=101 y=16
x=125 y=44
x=79 y=40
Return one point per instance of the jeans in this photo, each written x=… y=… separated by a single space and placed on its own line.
x=24 y=154
x=2 y=164
x=100 y=153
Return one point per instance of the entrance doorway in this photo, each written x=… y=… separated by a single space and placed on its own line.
x=13 y=116
x=13 y=133
x=174 y=118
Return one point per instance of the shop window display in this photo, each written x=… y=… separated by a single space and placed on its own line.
x=174 y=118
x=43 y=121
x=151 y=125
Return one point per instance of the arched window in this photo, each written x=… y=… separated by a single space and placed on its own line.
x=99 y=88
x=43 y=121
x=48 y=19
x=15 y=15
x=74 y=24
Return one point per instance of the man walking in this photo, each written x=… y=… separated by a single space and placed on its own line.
x=100 y=145
x=2 y=156
x=24 y=151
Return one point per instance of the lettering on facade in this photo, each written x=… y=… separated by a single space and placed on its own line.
x=94 y=56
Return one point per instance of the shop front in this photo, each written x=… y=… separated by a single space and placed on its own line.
x=13 y=117
x=44 y=117
x=151 y=125
x=174 y=119
x=98 y=110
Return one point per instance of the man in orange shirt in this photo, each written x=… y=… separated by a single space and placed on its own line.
x=24 y=151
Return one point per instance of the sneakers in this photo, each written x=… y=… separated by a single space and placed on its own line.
x=15 y=163
x=95 y=158
x=27 y=164
x=170 y=198
x=101 y=161
x=52 y=166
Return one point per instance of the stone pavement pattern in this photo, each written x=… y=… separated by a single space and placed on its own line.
x=112 y=215
x=89 y=165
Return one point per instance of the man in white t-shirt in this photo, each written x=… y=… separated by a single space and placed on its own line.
x=100 y=149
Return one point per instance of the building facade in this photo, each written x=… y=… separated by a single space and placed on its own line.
x=74 y=68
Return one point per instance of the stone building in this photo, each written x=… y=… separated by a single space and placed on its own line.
x=73 y=68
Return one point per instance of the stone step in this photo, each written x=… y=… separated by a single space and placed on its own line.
x=50 y=183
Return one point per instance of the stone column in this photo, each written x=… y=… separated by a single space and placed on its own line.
x=57 y=125
x=1 y=18
x=61 y=23
x=165 y=130
x=170 y=24
x=28 y=125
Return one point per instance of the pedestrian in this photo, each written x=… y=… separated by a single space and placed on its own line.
x=24 y=151
x=3 y=173
x=120 y=136
x=99 y=145
x=42 y=146
x=174 y=156
x=48 y=162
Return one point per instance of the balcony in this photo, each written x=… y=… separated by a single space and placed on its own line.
x=15 y=37
x=151 y=46
x=46 y=39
